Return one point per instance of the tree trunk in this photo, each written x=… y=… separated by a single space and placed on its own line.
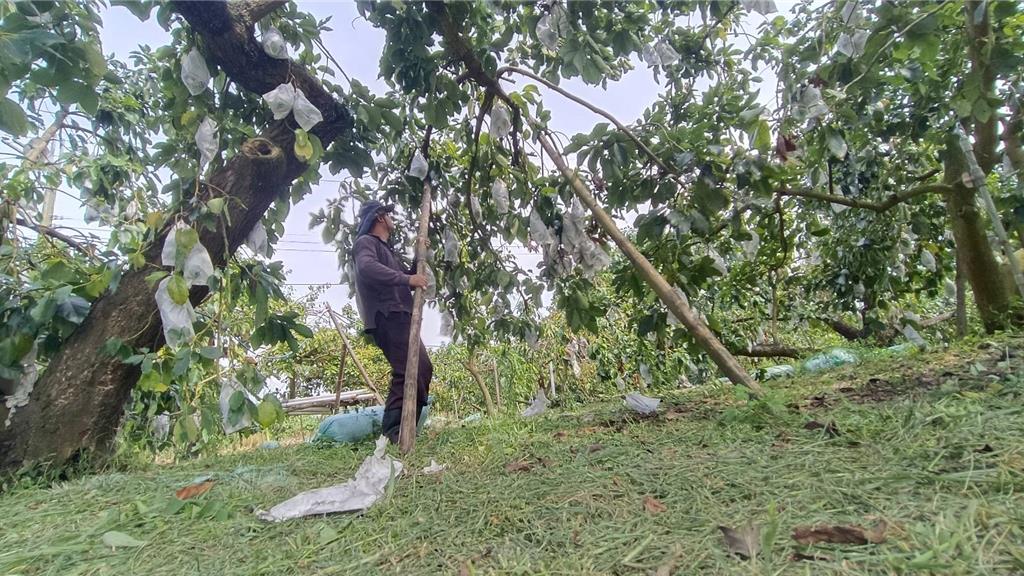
x=77 y=404
x=961 y=300
x=471 y=366
x=973 y=248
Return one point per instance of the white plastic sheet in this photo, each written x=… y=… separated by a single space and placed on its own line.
x=852 y=45
x=538 y=405
x=434 y=467
x=356 y=495
x=177 y=318
x=812 y=103
x=198 y=266
x=451 y=246
x=281 y=100
x=227 y=390
x=914 y=336
x=161 y=426
x=927 y=260
x=661 y=53
x=949 y=287
x=274 y=44
x=257 y=240
x=306 y=114
x=168 y=255
x=447 y=325
x=206 y=140
x=474 y=207
x=552 y=27
x=194 y=72
x=538 y=230
x=430 y=292
x=501 y=122
x=499 y=193
x=642 y=404
x=29 y=376
x=418 y=167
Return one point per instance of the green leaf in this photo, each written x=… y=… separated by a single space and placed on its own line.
x=215 y=205
x=211 y=352
x=120 y=540
x=762 y=138
x=12 y=118
x=303 y=147
x=177 y=289
x=152 y=381
x=184 y=240
x=140 y=8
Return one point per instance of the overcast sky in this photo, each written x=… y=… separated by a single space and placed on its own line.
x=357 y=45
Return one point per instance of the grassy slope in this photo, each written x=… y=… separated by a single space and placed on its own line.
x=942 y=463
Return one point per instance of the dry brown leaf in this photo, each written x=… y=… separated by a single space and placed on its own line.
x=518 y=466
x=193 y=490
x=653 y=505
x=840 y=534
x=801 y=557
x=595 y=448
x=561 y=435
x=744 y=541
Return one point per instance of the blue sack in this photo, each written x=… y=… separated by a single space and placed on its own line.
x=359 y=424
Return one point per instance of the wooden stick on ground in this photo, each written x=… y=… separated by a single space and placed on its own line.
x=352 y=353
x=341 y=379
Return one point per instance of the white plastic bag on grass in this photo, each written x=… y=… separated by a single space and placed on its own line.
x=274 y=44
x=281 y=100
x=257 y=240
x=198 y=266
x=194 y=72
x=538 y=405
x=168 y=255
x=501 y=123
x=642 y=404
x=418 y=167
x=206 y=140
x=434 y=468
x=306 y=114
x=356 y=495
x=499 y=193
x=177 y=318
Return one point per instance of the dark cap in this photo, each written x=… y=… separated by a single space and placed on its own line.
x=368 y=212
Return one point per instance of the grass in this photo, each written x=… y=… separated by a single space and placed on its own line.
x=932 y=444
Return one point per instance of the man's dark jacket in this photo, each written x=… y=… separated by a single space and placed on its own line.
x=382 y=283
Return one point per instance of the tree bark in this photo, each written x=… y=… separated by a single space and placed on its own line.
x=77 y=404
x=973 y=248
x=773 y=350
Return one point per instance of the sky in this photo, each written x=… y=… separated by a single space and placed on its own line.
x=355 y=44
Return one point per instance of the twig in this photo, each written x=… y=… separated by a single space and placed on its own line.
x=886 y=204
x=48 y=231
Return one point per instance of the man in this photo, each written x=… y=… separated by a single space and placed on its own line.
x=384 y=298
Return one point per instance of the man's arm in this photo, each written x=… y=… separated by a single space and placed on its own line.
x=373 y=271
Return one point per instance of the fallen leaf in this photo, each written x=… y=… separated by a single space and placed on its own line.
x=120 y=540
x=744 y=541
x=840 y=534
x=518 y=466
x=829 y=427
x=561 y=435
x=986 y=449
x=616 y=481
x=653 y=505
x=595 y=448
x=193 y=490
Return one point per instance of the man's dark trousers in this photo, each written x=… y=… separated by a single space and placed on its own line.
x=392 y=337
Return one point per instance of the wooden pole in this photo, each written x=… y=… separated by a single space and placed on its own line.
x=407 y=433
x=698 y=329
x=352 y=353
x=471 y=366
x=340 y=380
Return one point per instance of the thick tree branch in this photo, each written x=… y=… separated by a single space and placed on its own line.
x=882 y=206
x=48 y=231
x=252 y=11
x=1013 y=128
x=980 y=42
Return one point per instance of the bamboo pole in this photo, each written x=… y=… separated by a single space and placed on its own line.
x=352 y=353
x=340 y=380
x=707 y=340
x=407 y=432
